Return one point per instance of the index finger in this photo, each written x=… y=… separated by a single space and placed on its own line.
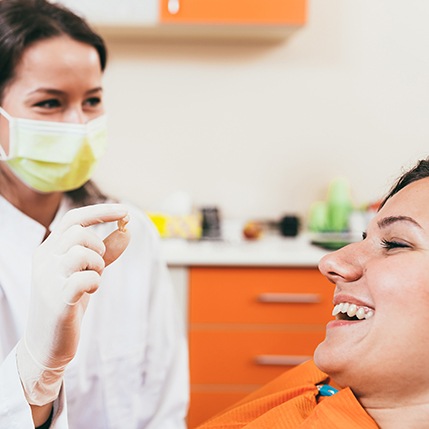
x=92 y=215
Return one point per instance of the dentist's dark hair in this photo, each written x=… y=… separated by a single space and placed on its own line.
x=25 y=22
x=419 y=171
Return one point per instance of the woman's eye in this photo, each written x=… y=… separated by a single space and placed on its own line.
x=93 y=101
x=48 y=104
x=393 y=244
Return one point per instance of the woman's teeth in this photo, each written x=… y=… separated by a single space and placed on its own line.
x=346 y=311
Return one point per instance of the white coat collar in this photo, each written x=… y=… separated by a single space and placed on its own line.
x=20 y=235
x=18 y=227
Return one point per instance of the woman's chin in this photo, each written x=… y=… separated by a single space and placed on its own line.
x=333 y=362
x=320 y=358
x=326 y=359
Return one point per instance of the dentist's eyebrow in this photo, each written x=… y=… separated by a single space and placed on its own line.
x=46 y=91
x=389 y=220
x=94 y=90
x=53 y=91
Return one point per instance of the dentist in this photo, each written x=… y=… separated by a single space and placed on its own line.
x=90 y=335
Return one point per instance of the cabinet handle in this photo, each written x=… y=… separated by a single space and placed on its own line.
x=293 y=298
x=285 y=360
x=173 y=6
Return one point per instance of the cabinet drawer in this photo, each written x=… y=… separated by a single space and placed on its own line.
x=247 y=356
x=259 y=295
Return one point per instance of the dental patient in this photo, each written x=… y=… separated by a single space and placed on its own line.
x=371 y=371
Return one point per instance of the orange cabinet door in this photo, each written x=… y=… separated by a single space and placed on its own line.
x=247 y=326
x=248 y=356
x=262 y=12
x=259 y=295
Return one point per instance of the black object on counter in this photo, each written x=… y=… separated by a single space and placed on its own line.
x=289 y=225
x=211 y=223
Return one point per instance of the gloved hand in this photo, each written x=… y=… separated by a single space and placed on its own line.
x=67 y=268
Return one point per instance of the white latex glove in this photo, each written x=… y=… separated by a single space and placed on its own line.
x=67 y=268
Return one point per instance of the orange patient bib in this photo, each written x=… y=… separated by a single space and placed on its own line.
x=291 y=401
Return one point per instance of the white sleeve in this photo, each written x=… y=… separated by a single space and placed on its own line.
x=173 y=399
x=167 y=377
x=15 y=412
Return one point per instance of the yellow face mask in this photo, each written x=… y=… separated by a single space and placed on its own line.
x=54 y=156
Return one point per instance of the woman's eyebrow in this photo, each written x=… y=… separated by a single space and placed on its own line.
x=94 y=90
x=47 y=91
x=386 y=221
x=53 y=91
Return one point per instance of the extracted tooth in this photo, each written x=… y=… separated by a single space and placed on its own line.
x=336 y=310
x=369 y=314
x=360 y=314
x=351 y=311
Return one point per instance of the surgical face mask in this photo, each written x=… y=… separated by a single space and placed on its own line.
x=53 y=156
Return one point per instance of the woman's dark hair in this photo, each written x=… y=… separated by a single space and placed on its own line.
x=419 y=171
x=24 y=22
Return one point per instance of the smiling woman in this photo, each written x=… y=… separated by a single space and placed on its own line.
x=373 y=361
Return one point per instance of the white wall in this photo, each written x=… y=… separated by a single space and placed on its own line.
x=260 y=129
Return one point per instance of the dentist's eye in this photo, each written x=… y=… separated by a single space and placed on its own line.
x=392 y=244
x=48 y=104
x=93 y=102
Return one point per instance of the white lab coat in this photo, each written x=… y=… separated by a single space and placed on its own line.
x=131 y=367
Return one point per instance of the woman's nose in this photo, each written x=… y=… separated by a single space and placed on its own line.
x=75 y=116
x=344 y=264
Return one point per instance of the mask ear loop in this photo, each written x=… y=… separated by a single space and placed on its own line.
x=3 y=154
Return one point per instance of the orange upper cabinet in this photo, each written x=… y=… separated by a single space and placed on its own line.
x=261 y=18
x=231 y=12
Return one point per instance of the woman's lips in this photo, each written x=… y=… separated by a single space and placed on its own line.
x=337 y=323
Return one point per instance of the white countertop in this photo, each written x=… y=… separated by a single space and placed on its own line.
x=274 y=251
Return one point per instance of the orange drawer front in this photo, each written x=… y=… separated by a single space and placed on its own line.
x=247 y=357
x=206 y=403
x=259 y=295
x=292 y=12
